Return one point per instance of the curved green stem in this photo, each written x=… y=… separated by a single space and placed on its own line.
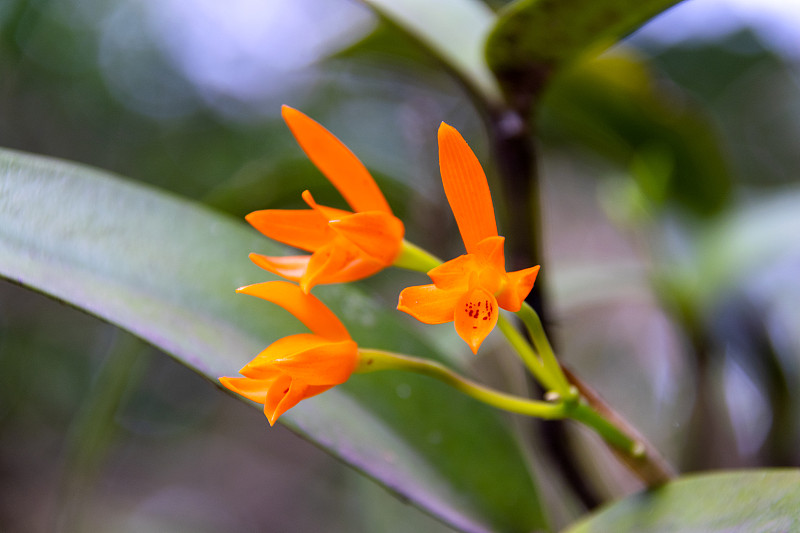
x=548 y=358
x=583 y=412
x=526 y=353
x=629 y=446
x=412 y=257
x=374 y=360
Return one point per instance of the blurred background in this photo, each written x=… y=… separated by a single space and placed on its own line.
x=671 y=230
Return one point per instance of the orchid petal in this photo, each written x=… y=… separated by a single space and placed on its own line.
x=338 y=262
x=517 y=289
x=466 y=188
x=330 y=363
x=263 y=365
x=428 y=303
x=302 y=228
x=285 y=394
x=310 y=358
x=377 y=234
x=305 y=307
x=326 y=263
x=291 y=267
x=252 y=389
x=476 y=315
x=454 y=274
x=342 y=168
x=327 y=213
x=491 y=251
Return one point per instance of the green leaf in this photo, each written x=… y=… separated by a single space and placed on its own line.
x=756 y=501
x=454 y=31
x=534 y=38
x=165 y=269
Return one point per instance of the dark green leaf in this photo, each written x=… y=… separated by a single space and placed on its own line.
x=757 y=501
x=533 y=38
x=165 y=269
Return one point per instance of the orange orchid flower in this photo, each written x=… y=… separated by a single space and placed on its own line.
x=468 y=289
x=300 y=366
x=345 y=246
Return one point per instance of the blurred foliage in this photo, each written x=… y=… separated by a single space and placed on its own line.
x=614 y=105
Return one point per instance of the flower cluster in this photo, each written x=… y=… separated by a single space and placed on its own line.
x=348 y=246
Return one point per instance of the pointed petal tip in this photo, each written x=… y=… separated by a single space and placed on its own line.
x=245 y=289
x=288 y=112
x=308 y=198
x=447 y=132
x=271 y=418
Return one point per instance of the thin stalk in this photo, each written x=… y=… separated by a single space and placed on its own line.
x=611 y=434
x=535 y=329
x=375 y=360
x=527 y=354
x=650 y=466
x=588 y=410
x=412 y=257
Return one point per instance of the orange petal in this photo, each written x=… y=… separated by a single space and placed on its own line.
x=302 y=228
x=338 y=262
x=328 y=213
x=262 y=366
x=291 y=267
x=285 y=394
x=491 y=252
x=454 y=274
x=466 y=188
x=305 y=307
x=337 y=162
x=327 y=364
x=476 y=314
x=253 y=389
x=429 y=304
x=309 y=358
x=378 y=235
x=517 y=289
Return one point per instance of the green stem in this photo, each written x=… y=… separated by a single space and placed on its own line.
x=375 y=360
x=588 y=410
x=412 y=257
x=548 y=358
x=526 y=353
x=611 y=434
x=650 y=465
